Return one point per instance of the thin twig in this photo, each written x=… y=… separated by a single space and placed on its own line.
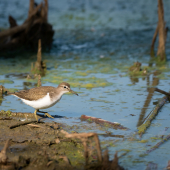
x=158 y=144
x=24 y=123
x=153 y=42
x=162 y=91
x=35 y=125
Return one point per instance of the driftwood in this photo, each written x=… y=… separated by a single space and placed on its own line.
x=35 y=27
x=162 y=31
x=114 y=125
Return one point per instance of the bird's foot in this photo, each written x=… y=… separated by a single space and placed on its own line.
x=48 y=115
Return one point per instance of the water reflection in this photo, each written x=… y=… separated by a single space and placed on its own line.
x=155 y=82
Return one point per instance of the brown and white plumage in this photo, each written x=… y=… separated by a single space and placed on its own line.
x=43 y=97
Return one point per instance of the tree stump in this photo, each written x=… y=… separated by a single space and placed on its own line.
x=35 y=27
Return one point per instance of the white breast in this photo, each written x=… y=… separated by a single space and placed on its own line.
x=42 y=103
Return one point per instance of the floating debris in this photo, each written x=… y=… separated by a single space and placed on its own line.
x=114 y=125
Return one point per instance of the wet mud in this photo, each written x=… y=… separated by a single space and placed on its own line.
x=43 y=145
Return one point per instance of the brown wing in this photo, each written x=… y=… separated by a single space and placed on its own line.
x=35 y=93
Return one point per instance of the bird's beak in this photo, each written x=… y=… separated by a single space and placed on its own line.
x=71 y=91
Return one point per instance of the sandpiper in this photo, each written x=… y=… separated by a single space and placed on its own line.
x=43 y=97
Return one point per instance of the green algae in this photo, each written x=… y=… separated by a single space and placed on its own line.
x=125 y=150
x=143 y=141
x=78 y=73
x=73 y=150
x=6 y=113
x=5 y=81
x=99 y=100
x=90 y=82
x=155 y=138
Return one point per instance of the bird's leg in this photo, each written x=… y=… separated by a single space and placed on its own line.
x=47 y=114
x=35 y=113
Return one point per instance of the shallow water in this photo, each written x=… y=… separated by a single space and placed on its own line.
x=94 y=46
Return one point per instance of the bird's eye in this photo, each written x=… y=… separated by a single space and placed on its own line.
x=65 y=87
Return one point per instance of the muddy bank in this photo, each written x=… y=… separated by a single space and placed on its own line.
x=44 y=145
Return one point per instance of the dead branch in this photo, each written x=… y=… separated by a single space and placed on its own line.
x=35 y=11
x=162 y=32
x=24 y=123
x=13 y=30
x=161 y=26
x=147 y=122
x=162 y=91
x=158 y=144
x=3 y=156
x=110 y=135
x=105 y=157
x=39 y=58
x=103 y=122
x=39 y=66
x=31 y=8
x=153 y=42
x=39 y=81
x=46 y=10
x=33 y=28
x=115 y=162
x=37 y=126
x=12 y=22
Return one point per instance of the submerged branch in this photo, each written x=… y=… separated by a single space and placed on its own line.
x=158 y=144
x=151 y=116
x=162 y=91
